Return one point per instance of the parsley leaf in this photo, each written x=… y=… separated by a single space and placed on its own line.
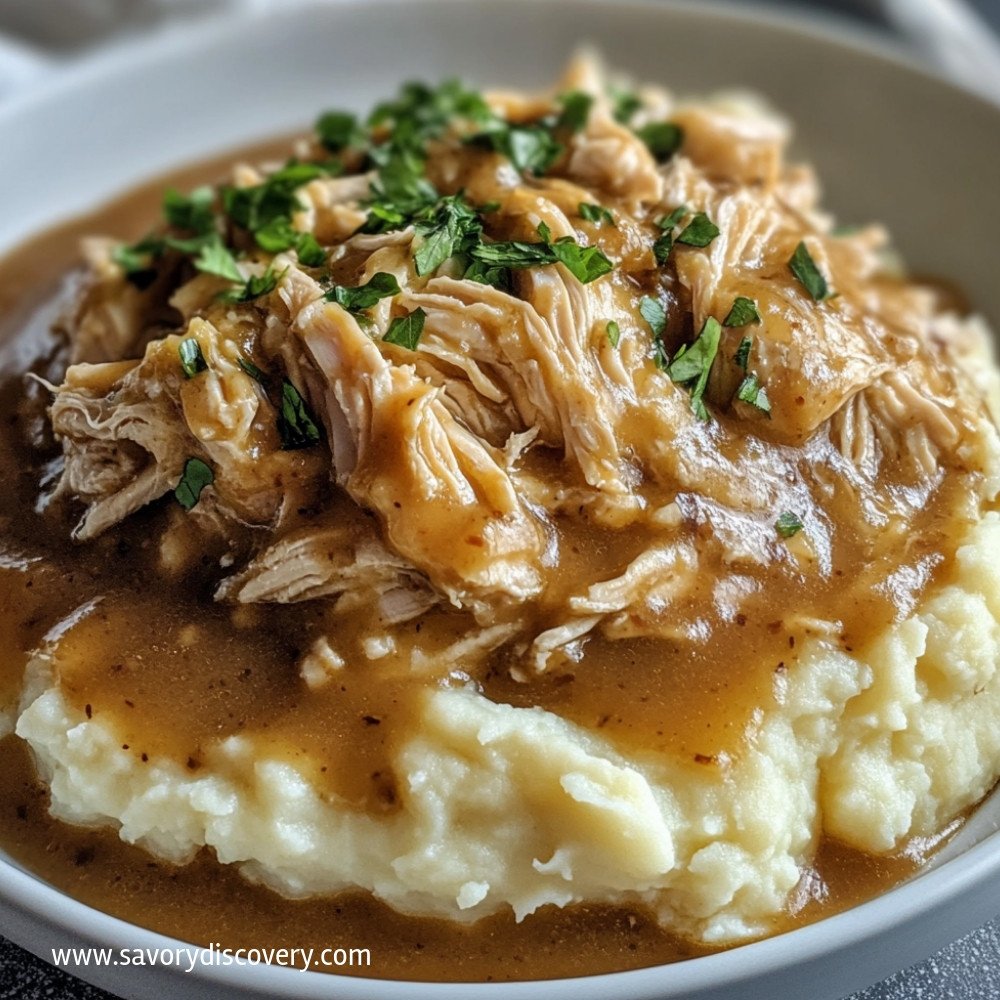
x=191 y=212
x=585 y=263
x=693 y=362
x=531 y=148
x=406 y=330
x=255 y=286
x=196 y=476
x=576 y=109
x=310 y=253
x=296 y=425
x=216 y=258
x=624 y=105
x=595 y=213
x=788 y=524
x=489 y=274
x=752 y=392
x=614 y=333
x=446 y=231
x=252 y=370
x=809 y=275
x=192 y=360
x=699 y=232
x=380 y=286
x=654 y=314
x=662 y=138
x=137 y=258
x=742 y=355
x=665 y=243
x=743 y=313
x=254 y=207
x=339 y=129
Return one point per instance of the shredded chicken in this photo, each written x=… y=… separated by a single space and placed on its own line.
x=483 y=412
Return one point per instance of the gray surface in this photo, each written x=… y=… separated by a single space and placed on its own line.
x=968 y=969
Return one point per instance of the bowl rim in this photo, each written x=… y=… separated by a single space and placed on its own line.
x=905 y=903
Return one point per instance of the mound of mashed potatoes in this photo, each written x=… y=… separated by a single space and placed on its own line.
x=515 y=500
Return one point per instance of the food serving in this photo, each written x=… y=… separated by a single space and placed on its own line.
x=508 y=512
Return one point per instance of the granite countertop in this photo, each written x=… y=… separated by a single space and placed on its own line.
x=967 y=969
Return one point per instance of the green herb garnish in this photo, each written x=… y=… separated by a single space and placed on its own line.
x=662 y=138
x=614 y=333
x=693 y=362
x=196 y=476
x=654 y=314
x=192 y=212
x=255 y=286
x=192 y=360
x=296 y=425
x=447 y=230
x=752 y=392
x=809 y=275
x=252 y=370
x=699 y=232
x=575 y=110
x=406 y=330
x=624 y=105
x=380 y=286
x=788 y=524
x=742 y=355
x=337 y=130
x=216 y=258
x=595 y=213
x=585 y=263
x=743 y=313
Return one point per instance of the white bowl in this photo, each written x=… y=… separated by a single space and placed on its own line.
x=891 y=143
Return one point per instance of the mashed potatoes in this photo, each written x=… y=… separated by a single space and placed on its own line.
x=587 y=520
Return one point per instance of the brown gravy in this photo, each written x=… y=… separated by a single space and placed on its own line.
x=131 y=655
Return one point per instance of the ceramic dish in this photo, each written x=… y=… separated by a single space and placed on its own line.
x=892 y=144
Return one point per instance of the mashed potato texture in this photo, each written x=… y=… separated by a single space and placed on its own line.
x=510 y=806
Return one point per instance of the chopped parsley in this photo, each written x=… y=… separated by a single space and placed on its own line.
x=662 y=138
x=252 y=370
x=742 y=355
x=406 y=330
x=809 y=275
x=296 y=425
x=137 y=258
x=196 y=476
x=279 y=235
x=743 y=313
x=576 y=107
x=595 y=213
x=380 y=286
x=752 y=392
x=338 y=130
x=192 y=212
x=624 y=105
x=699 y=232
x=665 y=243
x=691 y=365
x=614 y=333
x=255 y=286
x=531 y=148
x=585 y=263
x=654 y=314
x=788 y=524
x=216 y=258
x=450 y=228
x=255 y=208
x=192 y=360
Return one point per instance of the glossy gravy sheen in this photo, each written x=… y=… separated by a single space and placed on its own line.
x=173 y=671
